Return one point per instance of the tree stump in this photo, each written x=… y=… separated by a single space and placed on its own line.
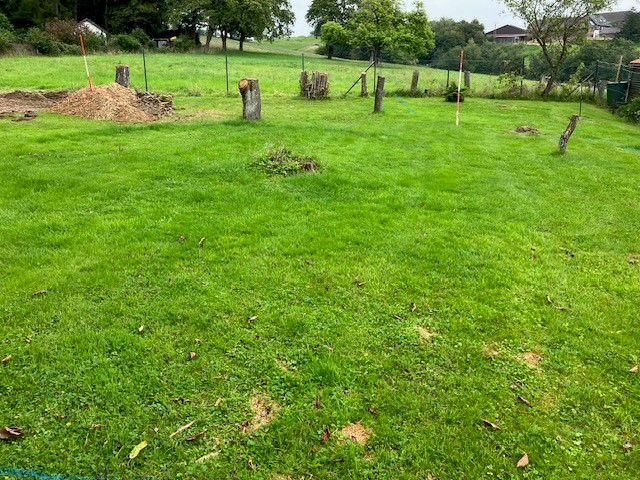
x=377 y=106
x=363 y=85
x=467 y=79
x=564 y=138
x=304 y=84
x=251 y=103
x=319 y=85
x=122 y=75
x=414 y=82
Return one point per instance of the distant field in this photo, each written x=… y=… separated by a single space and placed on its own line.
x=433 y=301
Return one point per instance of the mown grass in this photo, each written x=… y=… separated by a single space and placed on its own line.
x=301 y=288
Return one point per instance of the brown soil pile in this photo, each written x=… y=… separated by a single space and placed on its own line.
x=526 y=129
x=20 y=101
x=115 y=102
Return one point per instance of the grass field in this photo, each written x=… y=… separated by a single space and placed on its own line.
x=424 y=279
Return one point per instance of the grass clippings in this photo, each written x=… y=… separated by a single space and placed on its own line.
x=278 y=160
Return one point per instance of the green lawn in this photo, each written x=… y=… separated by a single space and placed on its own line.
x=399 y=289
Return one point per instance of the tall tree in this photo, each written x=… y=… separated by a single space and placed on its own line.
x=323 y=11
x=333 y=34
x=631 y=28
x=379 y=24
x=555 y=25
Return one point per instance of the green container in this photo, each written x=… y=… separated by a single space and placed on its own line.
x=616 y=93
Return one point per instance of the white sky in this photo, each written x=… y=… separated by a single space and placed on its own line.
x=490 y=12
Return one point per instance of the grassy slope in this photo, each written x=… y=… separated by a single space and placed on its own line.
x=476 y=225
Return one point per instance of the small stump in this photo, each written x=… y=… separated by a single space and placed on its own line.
x=251 y=102
x=377 y=106
x=318 y=88
x=414 y=82
x=122 y=75
x=363 y=85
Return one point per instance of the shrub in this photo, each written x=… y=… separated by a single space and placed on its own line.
x=65 y=31
x=140 y=35
x=6 y=40
x=5 y=24
x=126 y=43
x=42 y=42
x=183 y=44
x=278 y=160
x=631 y=111
x=451 y=93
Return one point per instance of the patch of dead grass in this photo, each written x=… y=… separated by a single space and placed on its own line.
x=355 y=432
x=425 y=333
x=263 y=413
x=532 y=359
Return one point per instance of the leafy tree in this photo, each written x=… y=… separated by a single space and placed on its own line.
x=323 y=11
x=451 y=34
x=333 y=34
x=556 y=25
x=631 y=28
x=379 y=24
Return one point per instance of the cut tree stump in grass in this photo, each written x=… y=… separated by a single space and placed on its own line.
x=318 y=88
x=251 y=103
x=377 y=106
x=304 y=84
x=363 y=85
x=414 y=82
x=564 y=138
x=122 y=75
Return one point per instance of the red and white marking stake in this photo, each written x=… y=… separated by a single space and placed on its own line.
x=459 y=87
x=86 y=65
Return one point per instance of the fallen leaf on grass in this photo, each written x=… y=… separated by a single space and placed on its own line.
x=413 y=307
x=137 y=449
x=197 y=436
x=398 y=317
x=10 y=433
x=523 y=462
x=633 y=258
x=218 y=401
x=250 y=464
x=490 y=424
x=95 y=426
x=201 y=242
x=198 y=341
x=317 y=403
x=6 y=359
x=373 y=410
x=181 y=238
x=243 y=426
x=141 y=328
x=358 y=282
x=28 y=340
x=192 y=355
x=326 y=435
x=549 y=299
x=180 y=400
x=39 y=292
x=430 y=477
x=627 y=446
x=208 y=456
x=525 y=401
x=252 y=319
x=632 y=370
x=181 y=429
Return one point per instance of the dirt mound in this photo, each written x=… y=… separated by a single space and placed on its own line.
x=115 y=102
x=21 y=101
x=526 y=129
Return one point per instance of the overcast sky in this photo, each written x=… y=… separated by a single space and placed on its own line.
x=490 y=12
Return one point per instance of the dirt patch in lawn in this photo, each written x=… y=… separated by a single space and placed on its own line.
x=531 y=358
x=263 y=413
x=356 y=433
x=115 y=102
x=526 y=129
x=21 y=102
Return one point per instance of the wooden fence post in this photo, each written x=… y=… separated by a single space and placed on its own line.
x=251 y=103
x=467 y=79
x=363 y=85
x=122 y=75
x=304 y=84
x=564 y=138
x=414 y=82
x=377 y=106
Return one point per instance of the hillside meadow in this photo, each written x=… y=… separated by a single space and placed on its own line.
x=433 y=301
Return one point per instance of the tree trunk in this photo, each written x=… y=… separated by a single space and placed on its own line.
x=414 y=81
x=547 y=89
x=319 y=87
x=122 y=75
x=304 y=84
x=329 y=52
x=243 y=37
x=251 y=103
x=564 y=138
x=363 y=85
x=223 y=37
x=377 y=106
x=207 y=44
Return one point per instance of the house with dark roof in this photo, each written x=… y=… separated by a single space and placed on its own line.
x=606 y=25
x=509 y=34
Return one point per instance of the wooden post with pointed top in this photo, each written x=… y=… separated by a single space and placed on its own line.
x=363 y=85
x=251 y=102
